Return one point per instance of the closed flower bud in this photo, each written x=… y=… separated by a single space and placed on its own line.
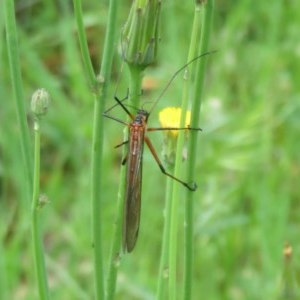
x=40 y=101
x=139 y=38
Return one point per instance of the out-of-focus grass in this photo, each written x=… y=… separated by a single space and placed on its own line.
x=248 y=168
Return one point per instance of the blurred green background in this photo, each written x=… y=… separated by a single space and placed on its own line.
x=247 y=202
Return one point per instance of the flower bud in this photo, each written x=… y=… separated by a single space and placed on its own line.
x=40 y=101
x=139 y=38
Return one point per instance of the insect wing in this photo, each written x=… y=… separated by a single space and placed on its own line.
x=132 y=205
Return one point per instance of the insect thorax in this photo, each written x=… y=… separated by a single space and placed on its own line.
x=141 y=117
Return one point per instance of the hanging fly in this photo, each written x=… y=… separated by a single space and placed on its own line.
x=137 y=129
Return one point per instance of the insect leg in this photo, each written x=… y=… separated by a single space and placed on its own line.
x=115 y=97
x=119 y=102
x=124 y=160
x=191 y=187
x=173 y=128
x=123 y=143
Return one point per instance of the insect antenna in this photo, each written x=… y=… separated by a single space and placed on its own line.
x=119 y=79
x=176 y=73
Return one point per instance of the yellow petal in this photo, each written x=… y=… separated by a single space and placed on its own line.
x=170 y=118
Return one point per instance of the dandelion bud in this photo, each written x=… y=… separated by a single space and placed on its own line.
x=139 y=38
x=40 y=101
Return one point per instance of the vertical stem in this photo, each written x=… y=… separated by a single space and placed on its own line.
x=97 y=170
x=135 y=85
x=98 y=131
x=192 y=147
x=96 y=197
x=33 y=183
x=15 y=70
x=188 y=222
x=163 y=267
x=3 y=273
x=83 y=43
x=117 y=233
x=178 y=171
x=173 y=245
x=35 y=220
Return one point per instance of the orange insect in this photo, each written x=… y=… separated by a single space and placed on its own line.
x=134 y=159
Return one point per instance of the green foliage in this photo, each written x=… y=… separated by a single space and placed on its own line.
x=247 y=170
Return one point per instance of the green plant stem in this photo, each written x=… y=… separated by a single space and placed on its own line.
x=207 y=10
x=191 y=163
x=163 y=266
x=117 y=236
x=97 y=173
x=173 y=246
x=98 y=130
x=173 y=243
x=83 y=43
x=3 y=273
x=188 y=228
x=135 y=85
x=35 y=220
x=15 y=71
x=96 y=197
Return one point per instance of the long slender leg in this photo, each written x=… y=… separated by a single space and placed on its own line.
x=191 y=187
x=119 y=102
x=121 y=144
x=173 y=128
x=124 y=160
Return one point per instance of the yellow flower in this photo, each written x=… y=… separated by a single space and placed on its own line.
x=170 y=118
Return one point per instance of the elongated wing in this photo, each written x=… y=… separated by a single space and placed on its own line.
x=132 y=205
